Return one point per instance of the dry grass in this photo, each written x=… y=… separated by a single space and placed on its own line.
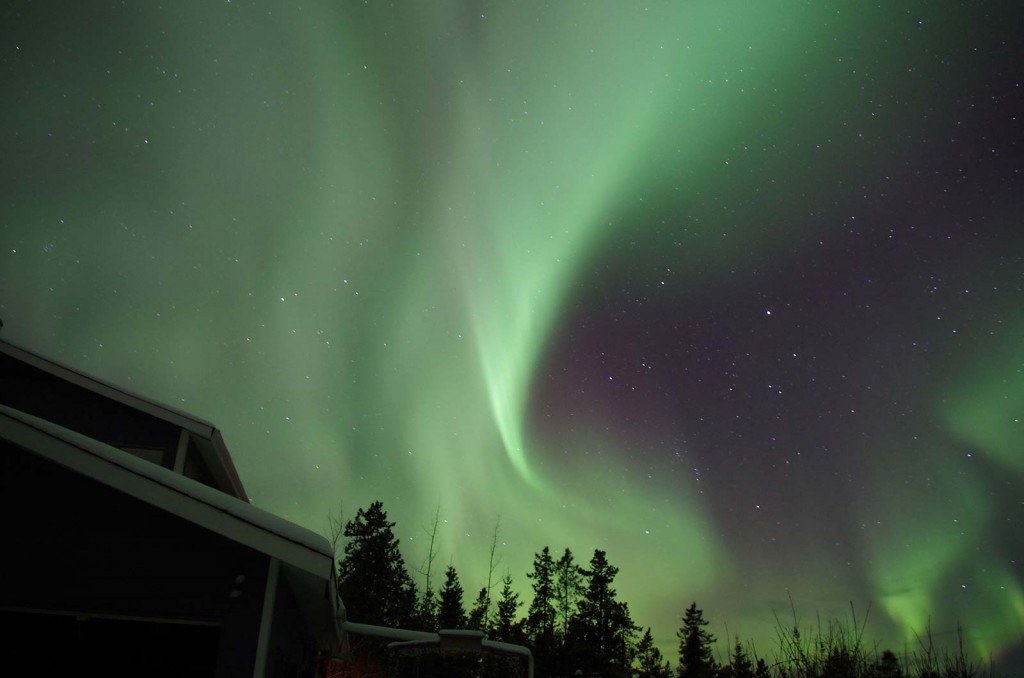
x=837 y=649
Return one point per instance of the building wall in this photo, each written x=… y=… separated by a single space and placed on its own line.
x=293 y=651
x=78 y=550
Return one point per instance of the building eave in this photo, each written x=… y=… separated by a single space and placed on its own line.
x=207 y=436
x=307 y=557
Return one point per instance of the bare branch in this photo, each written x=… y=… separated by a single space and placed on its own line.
x=336 y=528
x=432 y=547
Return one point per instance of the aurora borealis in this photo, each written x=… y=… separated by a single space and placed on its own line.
x=731 y=290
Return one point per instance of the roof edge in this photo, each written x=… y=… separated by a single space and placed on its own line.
x=110 y=390
x=226 y=506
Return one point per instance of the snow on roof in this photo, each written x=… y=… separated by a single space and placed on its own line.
x=202 y=429
x=103 y=387
x=161 y=487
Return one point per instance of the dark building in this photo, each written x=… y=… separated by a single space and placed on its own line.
x=130 y=547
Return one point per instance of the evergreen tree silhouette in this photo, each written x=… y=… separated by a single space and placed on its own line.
x=650 y=662
x=477 y=619
x=739 y=665
x=450 y=613
x=507 y=627
x=426 y=611
x=695 y=657
x=541 y=615
x=568 y=589
x=605 y=626
x=540 y=618
x=374 y=584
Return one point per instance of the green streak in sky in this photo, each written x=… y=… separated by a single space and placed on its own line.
x=377 y=222
x=935 y=568
x=916 y=558
x=624 y=115
x=984 y=404
x=515 y=225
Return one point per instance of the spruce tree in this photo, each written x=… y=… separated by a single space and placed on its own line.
x=650 y=662
x=426 y=613
x=695 y=657
x=450 y=613
x=739 y=665
x=568 y=588
x=374 y=584
x=540 y=618
x=604 y=621
x=477 y=619
x=507 y=626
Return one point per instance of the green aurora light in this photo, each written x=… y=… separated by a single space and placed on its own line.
x=369 y=242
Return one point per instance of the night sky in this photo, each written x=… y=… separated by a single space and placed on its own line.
x=732 y=290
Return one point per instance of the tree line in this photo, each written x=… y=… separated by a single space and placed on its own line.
x=575 y=624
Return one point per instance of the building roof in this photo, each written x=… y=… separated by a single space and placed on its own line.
x=306 y=557
x=207 y=437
